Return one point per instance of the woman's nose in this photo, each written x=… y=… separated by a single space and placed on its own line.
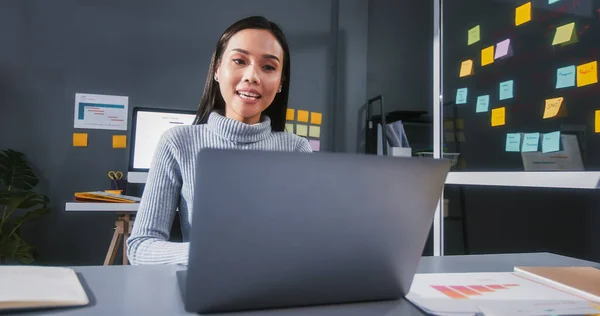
x=251 y=75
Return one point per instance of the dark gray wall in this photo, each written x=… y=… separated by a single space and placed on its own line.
x=157 y=53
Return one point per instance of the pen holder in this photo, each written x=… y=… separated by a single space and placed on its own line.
x=120 y=185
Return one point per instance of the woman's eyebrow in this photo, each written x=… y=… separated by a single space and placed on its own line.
x=243 y=51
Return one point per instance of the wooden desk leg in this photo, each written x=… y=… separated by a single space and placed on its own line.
x=114 y=243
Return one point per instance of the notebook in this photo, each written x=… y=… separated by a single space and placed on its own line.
x=99 y=196
x=27 y=287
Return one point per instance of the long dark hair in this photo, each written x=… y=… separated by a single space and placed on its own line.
x=212 y=99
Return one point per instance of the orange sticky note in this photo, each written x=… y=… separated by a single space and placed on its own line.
x=316 y=118
x=289 y=127
x=587 y=74
x=487 y=55
x=80 y=139
x=289 y=115
x=466 y=68
x=597 y=129
x=552 y=107
x=301 y=130
x=119 y=141
x=499 y=116
x=302 y=116
x=523 y=14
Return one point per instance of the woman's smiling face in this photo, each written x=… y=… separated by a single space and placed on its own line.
x=249 y=74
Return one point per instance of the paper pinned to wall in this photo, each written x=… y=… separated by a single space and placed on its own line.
x=565 y=77
x=499 y=116
x=483 y=103
x=119 y=141
x=513 y=142
x=289 y=115
x=474 y=35
x=551 y=142
x=565 y=35
x=289 y=127
x=552 y=1
x=506 y=90
x=96 y=111
x=503 y=49
x=80 y=139
x=523 y=14
x=466 y=68
x=302 y=116
x=487 y=56
x=461 y=95
x=587 y=74
x=531 y=142
x=553 y=107
x=301 y=130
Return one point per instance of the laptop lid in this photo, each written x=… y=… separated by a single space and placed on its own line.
x=281 y=229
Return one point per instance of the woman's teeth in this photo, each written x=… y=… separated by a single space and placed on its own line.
x=248 y=96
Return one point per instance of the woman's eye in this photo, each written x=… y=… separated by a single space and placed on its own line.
x=269 y=68
x=239 y=61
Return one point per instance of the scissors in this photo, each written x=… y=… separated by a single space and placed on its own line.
x=115 y=175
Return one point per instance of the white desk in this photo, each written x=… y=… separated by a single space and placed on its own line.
x=123 y=224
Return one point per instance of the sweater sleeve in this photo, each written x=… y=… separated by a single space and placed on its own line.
x=304 y=146
x=148 y=243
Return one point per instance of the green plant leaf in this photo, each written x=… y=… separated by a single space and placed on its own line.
x=16 y=248
x=15 y=171
x=22 y=199
x=31 y=215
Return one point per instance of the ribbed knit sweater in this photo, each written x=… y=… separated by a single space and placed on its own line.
x=170 y=184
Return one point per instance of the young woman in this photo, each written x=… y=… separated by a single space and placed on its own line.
x=243 y=107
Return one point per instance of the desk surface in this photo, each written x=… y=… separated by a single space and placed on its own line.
x=153 y=290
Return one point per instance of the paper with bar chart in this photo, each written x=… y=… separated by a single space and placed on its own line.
x=504 y=293
x=95 y=111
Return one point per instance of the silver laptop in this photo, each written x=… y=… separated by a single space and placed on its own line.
x=280 y=229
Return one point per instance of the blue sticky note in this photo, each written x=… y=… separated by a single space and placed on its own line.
x=530 y=142
x=483 y=103
x=461 y=96
x=552 y=1
x=551 y=142
x=513 y=142
x=565 y=77
x=506 y=90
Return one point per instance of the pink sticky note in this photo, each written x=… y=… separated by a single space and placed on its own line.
x=315 y=145
x=503 y=49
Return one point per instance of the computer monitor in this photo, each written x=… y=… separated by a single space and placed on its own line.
x=148 y=126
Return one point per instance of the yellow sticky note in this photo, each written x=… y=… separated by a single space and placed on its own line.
x=523 y=14
x=565 y=34
x=314 y=131
x=466 y=68
x=474 y=35
x=289 y=127
x=487 y=55
x=289 y=115
x=316 y=118
x=80 y=139
x=119 y=141
x=552 y=107
x=597 y=129
x=587 y=74
x=499 y=116
x=301 y=129
x=302 y=116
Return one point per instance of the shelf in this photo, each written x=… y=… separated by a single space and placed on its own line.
x=101 y=207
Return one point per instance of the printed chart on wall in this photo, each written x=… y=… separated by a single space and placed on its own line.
x=95 y=111
x=521 y=77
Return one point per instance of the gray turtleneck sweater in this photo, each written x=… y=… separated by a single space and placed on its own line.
x=171 y=178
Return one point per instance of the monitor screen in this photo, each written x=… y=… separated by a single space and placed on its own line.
x=148 y=127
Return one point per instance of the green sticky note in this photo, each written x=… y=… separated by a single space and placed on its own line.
x=483 y=103
x=565 y=77
x=551 y=142
x=474 y=35
x=506 y=90
x=513 y=142
x=461 y=96
x=531 y=142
